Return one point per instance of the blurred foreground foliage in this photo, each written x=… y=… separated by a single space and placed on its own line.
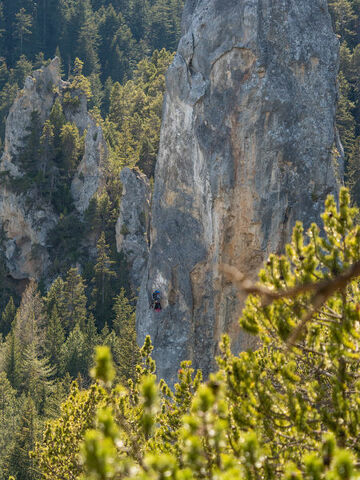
x=290 y=410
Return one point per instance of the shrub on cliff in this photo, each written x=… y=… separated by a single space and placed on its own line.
x=289 y=410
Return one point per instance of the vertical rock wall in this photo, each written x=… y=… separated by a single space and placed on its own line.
x=25 y=218
x=246 y=149
x=132 y=225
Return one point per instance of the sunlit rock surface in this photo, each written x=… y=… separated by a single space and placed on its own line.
x=133 y=223
x=25 y=217
x=246 y=150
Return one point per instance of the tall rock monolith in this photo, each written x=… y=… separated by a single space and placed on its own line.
x=247 y=148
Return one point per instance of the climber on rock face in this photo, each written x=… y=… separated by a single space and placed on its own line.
x=156 y=301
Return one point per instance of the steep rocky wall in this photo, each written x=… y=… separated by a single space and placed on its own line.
x=25 y=217
x=133 y=223
x=246 y=149
x=89 y=176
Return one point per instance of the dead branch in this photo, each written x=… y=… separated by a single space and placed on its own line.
x=321 y=291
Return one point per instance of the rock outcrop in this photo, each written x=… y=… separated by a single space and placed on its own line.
x=25 y=217
x=89 y=177
x=246 y=150
x=132 y=226
x=37 y=95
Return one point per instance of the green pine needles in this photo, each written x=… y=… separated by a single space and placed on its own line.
x=288 y=411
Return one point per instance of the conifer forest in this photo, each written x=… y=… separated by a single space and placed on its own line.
x=79 y=398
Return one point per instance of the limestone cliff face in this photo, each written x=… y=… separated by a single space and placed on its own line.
x=37 y=95
x=25 y=217
x=89 y=176
x=246 y=150
x=133 y=223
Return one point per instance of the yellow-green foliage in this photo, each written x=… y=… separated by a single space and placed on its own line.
x=282 y=412
x=133 y=124
x=71 y=146
x=79 y=81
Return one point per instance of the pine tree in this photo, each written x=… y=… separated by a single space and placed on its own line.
x=73 y=354
x=344 y=17
x=22 y=26
x=102 y=215
x=91 y=339
x=7 y=317
x=354 y=171
x=74 y=301
x=128 y=353
x=147 y=157
x=9 y=415
x=20 y=465
x=70 y=147
x=133 y=123
x=106 y=100
x=57 y=120
x=35 y=373
x=344 y=117
x=88 y=38
x=102 y=292
x=39 y=61
x=54 y=339
x=346 y=22
x=97 y=93
x=2 y=28
x=7 y=97
x=79 y=415
x=30 y=318
x=139 y=13
x=59 y=392
x=122 y=43
x=116 y=109
x=12 y=360
x=47 y=145
x=116 y=41
x=104 y=333
x=124 y=314
x=55 y=298
x=29 y=153
x=23 y=69
x=355 y=79
x=79 y=81
x=49 y=21
x=162 y=25
x=47 y=160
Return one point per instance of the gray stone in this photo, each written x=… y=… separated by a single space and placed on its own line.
x=89 y=177
x=37 y=94
x=25 y=217
x=133 y=223
x=246 y=150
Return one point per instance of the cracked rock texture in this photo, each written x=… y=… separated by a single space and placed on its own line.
x=133 y=223
x=89 y=177
x=246 y=150
x=25 y=217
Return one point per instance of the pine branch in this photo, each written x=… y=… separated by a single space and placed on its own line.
x=321 y=290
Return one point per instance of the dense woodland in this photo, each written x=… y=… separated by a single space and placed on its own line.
x=259 y=413
x=346 y=21
x=115 y=54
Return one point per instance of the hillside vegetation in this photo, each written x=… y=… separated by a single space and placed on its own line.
x=346 y=20
x=280 y=412
x=289 y=411
x=115 y=54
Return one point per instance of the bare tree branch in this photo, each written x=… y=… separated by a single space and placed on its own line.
x=321 y=290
